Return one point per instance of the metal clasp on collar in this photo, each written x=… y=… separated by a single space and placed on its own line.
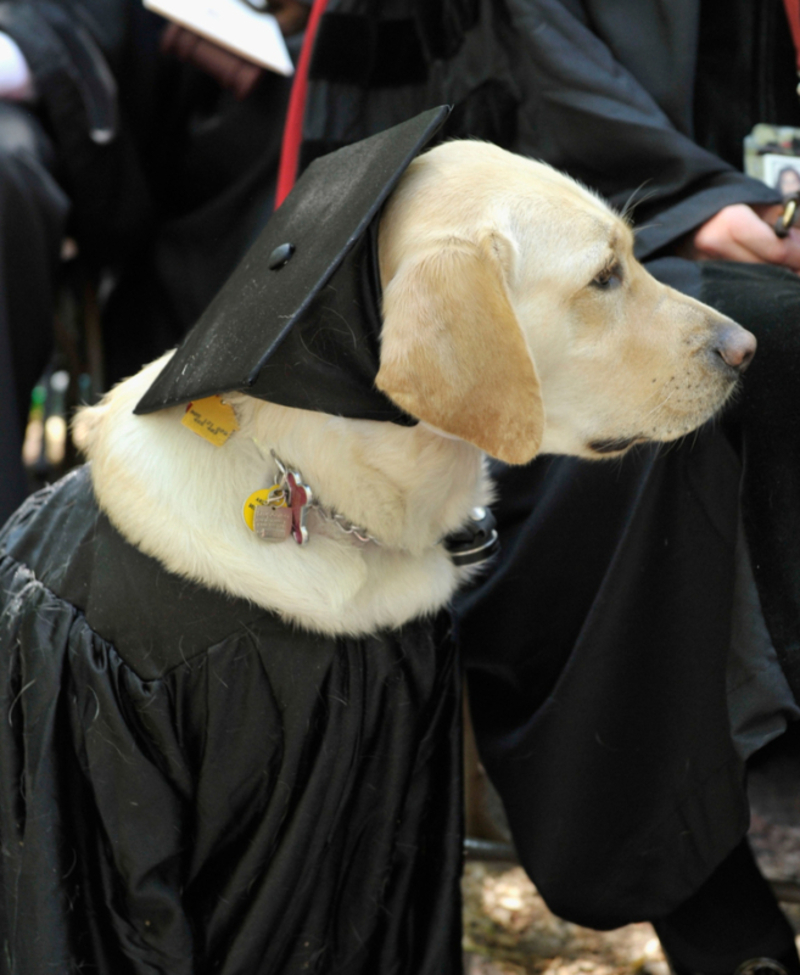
x=476 y=541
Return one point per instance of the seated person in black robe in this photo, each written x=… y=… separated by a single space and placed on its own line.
x=638 y=640
x=144 y=159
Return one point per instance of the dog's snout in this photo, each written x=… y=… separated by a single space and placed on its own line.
x=735 y=345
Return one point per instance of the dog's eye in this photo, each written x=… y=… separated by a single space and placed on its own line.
x=610 y=277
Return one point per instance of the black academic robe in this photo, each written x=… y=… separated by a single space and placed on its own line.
x=610 y=92
x=190 y=785
x=648 y=101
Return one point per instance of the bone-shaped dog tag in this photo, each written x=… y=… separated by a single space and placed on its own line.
x=271 y=523
x=300 y=497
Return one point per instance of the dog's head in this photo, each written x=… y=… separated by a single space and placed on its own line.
x=517 y=318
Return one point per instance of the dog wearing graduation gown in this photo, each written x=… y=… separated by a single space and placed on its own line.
x=236 y=748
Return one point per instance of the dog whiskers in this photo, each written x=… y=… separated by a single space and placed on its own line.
x=659 y=406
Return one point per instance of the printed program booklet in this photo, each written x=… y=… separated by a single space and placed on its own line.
x=234 y=25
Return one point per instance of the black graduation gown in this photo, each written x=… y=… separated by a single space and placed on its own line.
x=189 y=785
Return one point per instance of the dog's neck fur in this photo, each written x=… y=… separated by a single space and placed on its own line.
x=179 y=499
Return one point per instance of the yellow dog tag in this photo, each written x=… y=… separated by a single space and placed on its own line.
x=211 y=419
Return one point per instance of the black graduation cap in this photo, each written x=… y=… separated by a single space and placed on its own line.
x=298 y=322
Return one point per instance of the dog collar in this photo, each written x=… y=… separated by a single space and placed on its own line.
x=289 y=508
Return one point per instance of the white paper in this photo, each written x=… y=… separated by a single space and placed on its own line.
x=16 y=83
x=233 y=25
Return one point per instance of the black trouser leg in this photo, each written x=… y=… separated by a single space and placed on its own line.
x=597 y=648
x=731 y=919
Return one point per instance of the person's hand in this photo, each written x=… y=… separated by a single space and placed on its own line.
x=228 y=69
x=744 y=233
x=290 y=14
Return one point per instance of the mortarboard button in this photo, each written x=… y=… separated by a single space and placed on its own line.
x=280 y=256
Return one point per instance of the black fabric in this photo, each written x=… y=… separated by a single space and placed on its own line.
x=275 y=331
x=733 y=918
x=602 y=90
x=399 y=55
x=344 y=48
x=488 y=112
x=596 y=659
x=768 y=299
x=33 y=211
x=611 y=124
x=215 y=187
x=187 y=784
x=363 y=47
x=361 y=50
x=466 y=63
x=77 y=94
x=443 y=25
x=745 y=73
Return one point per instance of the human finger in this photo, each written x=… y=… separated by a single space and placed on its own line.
x=723 y=238
x=759 y=237
x=291 y=15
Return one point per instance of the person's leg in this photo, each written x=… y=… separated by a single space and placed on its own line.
x=767 y=413
x=32 y=214
x=733 y=920
x=598 y=653
x=596 y=656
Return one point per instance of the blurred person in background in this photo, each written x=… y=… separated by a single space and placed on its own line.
x=638 y=641
x=156 y=151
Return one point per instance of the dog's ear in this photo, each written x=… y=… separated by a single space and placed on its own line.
x=453 y=353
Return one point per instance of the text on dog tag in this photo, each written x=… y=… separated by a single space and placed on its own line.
x=211 y=419
x=271 y=523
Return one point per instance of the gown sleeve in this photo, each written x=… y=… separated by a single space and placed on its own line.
x=589 y=116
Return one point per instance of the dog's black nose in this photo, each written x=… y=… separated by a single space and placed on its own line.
x=735 y=345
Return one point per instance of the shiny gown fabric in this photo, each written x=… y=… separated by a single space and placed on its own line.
x=190 y=785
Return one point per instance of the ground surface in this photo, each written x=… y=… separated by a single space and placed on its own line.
x=509 y=931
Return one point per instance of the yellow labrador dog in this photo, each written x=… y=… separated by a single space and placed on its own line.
x=223 y=753
x=516 y=321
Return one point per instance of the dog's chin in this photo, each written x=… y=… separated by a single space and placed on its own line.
x=614 y=446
